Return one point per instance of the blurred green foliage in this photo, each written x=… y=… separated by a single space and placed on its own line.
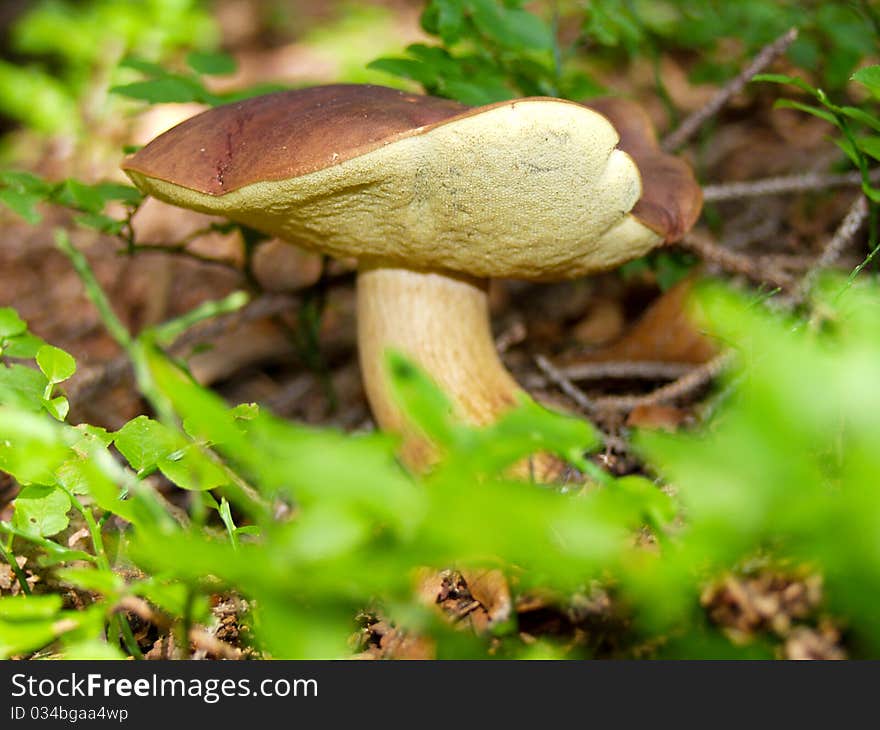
x=788 y=466
x=23 y=193
x=161 y=86
x=66 y=51
x=786 y=469
x=362 y=524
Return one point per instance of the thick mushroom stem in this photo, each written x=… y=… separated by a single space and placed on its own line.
x=441 y=321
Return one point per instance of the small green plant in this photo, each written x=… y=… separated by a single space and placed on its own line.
x=362 y=523
x=490 y=51
x=22 y=192
x=860 y=135
x=162 y=86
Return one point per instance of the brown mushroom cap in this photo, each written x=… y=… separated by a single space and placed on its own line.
x=535 y=188
x=671 y=197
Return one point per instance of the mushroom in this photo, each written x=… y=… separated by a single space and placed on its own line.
x=432 y=198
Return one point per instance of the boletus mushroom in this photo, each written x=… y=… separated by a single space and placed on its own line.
x=432 y=198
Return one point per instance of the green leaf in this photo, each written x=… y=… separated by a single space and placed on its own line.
x=869 y=76
x=23 y=346
x=23 y=204
x=191 y=468
x=100 y=222
x=144 y=442
x=53 y=552
x=56 y=364
x=92 y=579
x=870 y=146
x=406 y=68
x=22 y=387
x=658 y=508
x=211 y=64
x=174 y=599
x=476 y=94
x=859 y=115
x=28 y=608
x=168 y=90
x=245 y=411
x=225 y=512
x=41 y=510
x=809 y=109
x=10 y=323
x=790 y=80
x=115 y=191
x=170 y=330
x=25 y=182
x=424 y=403
x=91 y=436
x=93 y=650
x=142 y=65
x=30 y=622
x=24 y=636
x=57 y=407
x=72 y=477
x=450 y=19
x=849 y=150
x=75 y=194
x=510 y=27
x=31 y=448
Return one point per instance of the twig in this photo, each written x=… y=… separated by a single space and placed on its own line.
x=9 y=559
x=685 y=385
x=843 y=236
x=581 y=399
x=850 y=225
x=737 y=263
x=694 y=121
x=617 y=369
x=784 y=184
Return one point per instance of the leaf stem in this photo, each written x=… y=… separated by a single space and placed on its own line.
x=9 y=559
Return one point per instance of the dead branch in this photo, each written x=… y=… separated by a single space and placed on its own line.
x=618 y=370
x=758 y=270
x=581 y=399
x=694 y=121
x=844 y=234
x=799 y=183
x=684 y=386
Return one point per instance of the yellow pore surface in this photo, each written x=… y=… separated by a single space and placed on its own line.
x=533 y=189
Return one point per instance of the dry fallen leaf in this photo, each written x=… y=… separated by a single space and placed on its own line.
x=490 y=588
x=603 y=323
x=665 y=333
x=656 y=416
